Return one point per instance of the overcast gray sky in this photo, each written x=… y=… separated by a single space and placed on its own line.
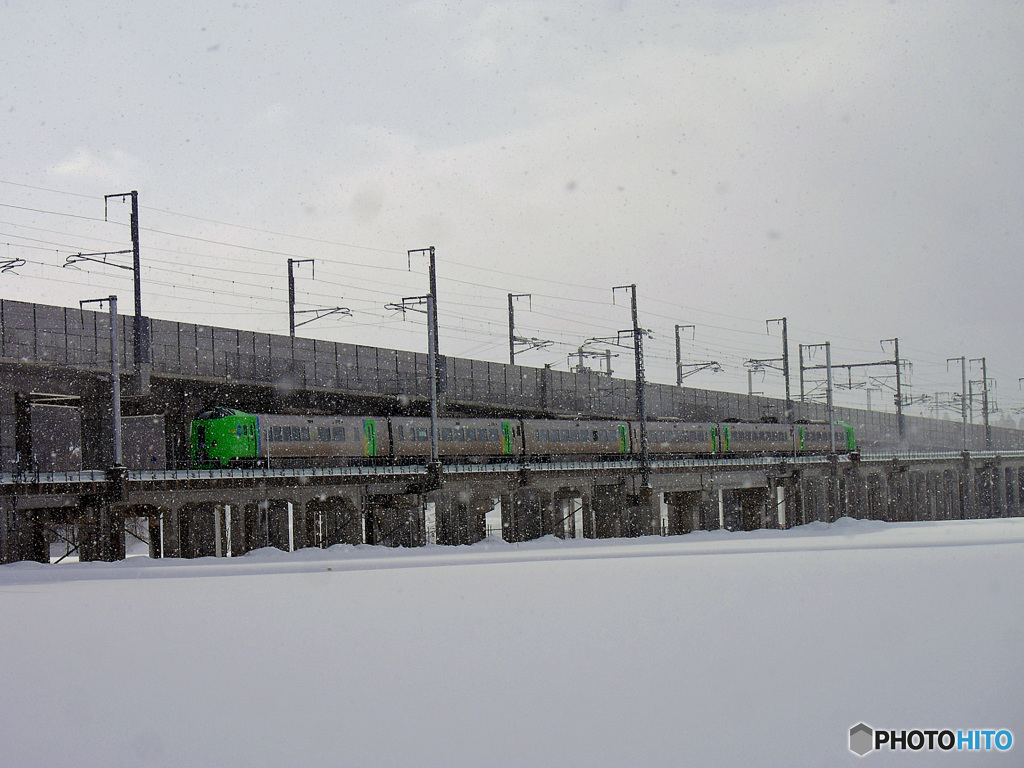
x=854 y=166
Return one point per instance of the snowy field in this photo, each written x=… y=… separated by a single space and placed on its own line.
x=711 y=649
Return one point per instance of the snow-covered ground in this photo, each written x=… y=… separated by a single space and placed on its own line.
x=723 y=649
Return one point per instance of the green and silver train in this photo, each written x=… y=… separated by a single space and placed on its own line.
x=224 y=437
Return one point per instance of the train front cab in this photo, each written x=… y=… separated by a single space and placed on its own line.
x=222 y=436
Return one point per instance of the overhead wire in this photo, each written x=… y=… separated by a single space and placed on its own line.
x=716 y=344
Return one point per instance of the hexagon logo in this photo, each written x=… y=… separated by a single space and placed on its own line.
x=861 y=739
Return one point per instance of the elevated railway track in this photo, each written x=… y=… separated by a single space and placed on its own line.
x=54 y=382
x=199 y=512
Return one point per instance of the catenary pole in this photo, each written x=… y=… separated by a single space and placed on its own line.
x=115 y=375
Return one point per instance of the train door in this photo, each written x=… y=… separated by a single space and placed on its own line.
x=370 y=435
x=202 y=452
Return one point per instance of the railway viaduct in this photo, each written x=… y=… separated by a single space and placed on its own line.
x=54 y=354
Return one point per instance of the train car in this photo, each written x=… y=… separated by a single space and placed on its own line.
x=222 y=437
x=676 y=437
x=485 y=439
x=764 y=438
x=772 y=439
x=329 y=440
x=575 y=438
x=814 y=438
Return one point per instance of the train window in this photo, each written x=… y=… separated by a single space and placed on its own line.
x=323 y=434
x=595 y=435
x=574 y=436
x=471 y=435
x=493 y=435
x=278 y=434
x=542 y=436
x=565 y=435
x=555 y=436
x=460 y=435
x=421 y=434
x=305 y=434
x=338 y=434
x=401 y=432
x=446 y=434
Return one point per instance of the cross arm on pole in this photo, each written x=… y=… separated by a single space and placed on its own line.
x=322 y=313
x=409 y=304
x=775 y=363
x=711 y=365
x=99 y=258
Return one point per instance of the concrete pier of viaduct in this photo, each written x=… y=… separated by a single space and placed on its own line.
x=65 y=352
